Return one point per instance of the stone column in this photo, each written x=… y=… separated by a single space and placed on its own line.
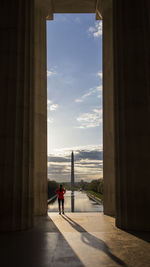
x=16 y=114
x=104 y=11
x=43 y=10
x=132 y=113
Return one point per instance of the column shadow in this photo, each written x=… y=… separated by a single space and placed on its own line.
x=93 y=241
x=41 y=246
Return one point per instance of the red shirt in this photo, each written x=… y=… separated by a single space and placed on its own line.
x=60 y=194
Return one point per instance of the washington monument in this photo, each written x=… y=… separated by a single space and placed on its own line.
x=72 y=169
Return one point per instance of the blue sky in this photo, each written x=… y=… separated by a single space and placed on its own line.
x=74 y=94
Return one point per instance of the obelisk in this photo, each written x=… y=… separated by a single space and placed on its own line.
x=72 y=169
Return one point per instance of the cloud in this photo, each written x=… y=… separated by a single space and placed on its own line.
x=50 y=120
x=57 y=168
x=80 y=154
x=90 y=92
x=49 y=102
x=99 y=88
x=53 y=107
x=89 y=155
x=79 y=100
x=97 y=30
x=88 y=164
x=52 y=158
x=90 y=120
x=100 y=74
x=50 y=72
x=91 y=29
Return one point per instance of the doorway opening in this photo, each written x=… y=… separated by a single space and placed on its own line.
x=74 y=110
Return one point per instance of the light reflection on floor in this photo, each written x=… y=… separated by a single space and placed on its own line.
x=77 y=202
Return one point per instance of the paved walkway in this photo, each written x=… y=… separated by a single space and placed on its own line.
x=74 y=240
x=97 y=242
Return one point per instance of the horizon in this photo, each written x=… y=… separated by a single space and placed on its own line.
x=88 y=164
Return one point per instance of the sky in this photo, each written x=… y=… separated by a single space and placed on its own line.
x=74 y=96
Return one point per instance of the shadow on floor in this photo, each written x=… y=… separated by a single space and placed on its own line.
x=93 y=241
x=42 y=246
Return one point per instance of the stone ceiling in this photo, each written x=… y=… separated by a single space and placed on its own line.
x=74 y=6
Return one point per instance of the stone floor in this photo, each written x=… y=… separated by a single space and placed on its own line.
x=74 y=240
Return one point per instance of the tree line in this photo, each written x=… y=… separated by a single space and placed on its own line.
x=52 y=186
x=95 y=186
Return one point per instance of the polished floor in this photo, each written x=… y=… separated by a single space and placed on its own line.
x=75 y=240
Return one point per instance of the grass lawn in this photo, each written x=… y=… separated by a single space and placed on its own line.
x=98 y=195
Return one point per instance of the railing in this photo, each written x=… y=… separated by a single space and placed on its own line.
x=96 y=199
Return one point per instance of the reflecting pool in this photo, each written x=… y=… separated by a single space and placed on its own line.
x=76 y=201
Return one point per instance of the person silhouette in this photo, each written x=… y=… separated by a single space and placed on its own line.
x=60 y=192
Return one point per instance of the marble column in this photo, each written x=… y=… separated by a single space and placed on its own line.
x=132 y=113
x=16 y=114
x=43 y=11
x=104 y=11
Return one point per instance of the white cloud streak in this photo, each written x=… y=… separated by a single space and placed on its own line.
x=50 y=72
x=90 y=92
x=90 y=120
